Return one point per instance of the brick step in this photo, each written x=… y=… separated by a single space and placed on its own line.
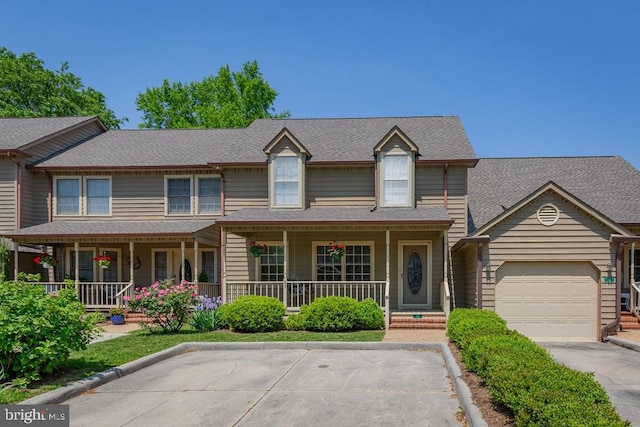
x=136 y=318
x=629 y=325
x=408 y=321
x=629 y=321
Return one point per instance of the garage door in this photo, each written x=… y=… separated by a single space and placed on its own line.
x=550 y=300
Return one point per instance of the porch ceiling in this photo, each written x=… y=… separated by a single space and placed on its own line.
x=113 y=231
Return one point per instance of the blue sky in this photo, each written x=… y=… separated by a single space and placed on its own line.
x=527 y=78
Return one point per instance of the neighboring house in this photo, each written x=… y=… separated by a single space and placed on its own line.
x=544 y=242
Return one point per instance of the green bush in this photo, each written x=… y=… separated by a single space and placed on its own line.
x=254 y=313
x=295 y=322
x=221 y=314
x=97 y=317
x=465 y=323
x=371 y=315
x=333 y=314
x=38 y=331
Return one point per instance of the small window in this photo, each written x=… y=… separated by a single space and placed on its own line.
x=548 y=215
x=160 y=265
x=178 y=195
x=209 y=195
x=209 y=266
x=396 y=180
x=98 y=196
x=286 y=182
x=272 y=264
x=68 y=196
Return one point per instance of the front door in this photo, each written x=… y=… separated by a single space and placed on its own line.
x=414 y=262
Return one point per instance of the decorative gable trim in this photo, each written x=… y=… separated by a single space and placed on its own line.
x=285 y=133
x=395 y=131
x=551 y=186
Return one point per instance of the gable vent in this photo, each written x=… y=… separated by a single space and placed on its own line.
x=548 y=215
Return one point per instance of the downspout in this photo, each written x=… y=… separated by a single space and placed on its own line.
x=18 y=192
x=604 y=332
x=223 y=252
x=50 y=198
x=479 y=275
x=445 y=185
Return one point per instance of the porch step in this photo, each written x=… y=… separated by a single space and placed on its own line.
x=130 y=317
x=418 y=320
x=629 y=321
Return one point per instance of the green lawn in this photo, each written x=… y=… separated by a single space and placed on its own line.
x=107 y=354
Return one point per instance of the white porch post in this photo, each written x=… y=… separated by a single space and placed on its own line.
x=182 y=250
x=132 y=262
x=446 y=301
x=632 y=276
x=196 y=265
x=76 y=270
x=285 y=244
x=387 y=280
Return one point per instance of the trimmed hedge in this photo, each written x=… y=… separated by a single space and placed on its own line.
x=371 y=315
x=524 y=377
x=332 y=314
x=254 y=313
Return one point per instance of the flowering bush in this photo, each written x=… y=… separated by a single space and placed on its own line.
x=103 y=261
x=336 y=250
x=45 y=260
x=205 y=316
x=257 y=249
x=167 y=303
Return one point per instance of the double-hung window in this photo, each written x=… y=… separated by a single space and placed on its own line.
x=97 y=195
x=356 y=265
x=178 y=195
x=67 y=196
x=396 y=176
x=286 y=181
x=208 y=195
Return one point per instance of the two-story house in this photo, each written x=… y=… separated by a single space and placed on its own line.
x=420 y=224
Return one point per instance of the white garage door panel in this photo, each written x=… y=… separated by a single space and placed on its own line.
x=549 y=301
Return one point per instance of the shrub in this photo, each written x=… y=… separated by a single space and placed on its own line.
x=295 y=322
x=371 y=315
x=464 y=323
x=254 y=313
x=205 y=316
x=38 y=331
x=167 y=303
x=221 y=314
x=333 y=314
x=97 y=317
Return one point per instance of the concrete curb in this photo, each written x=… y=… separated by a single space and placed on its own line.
x=625 y=343
x=77 y=388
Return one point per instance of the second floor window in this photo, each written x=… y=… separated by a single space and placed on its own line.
x=68 y=196
x=286 y=180
x=396 y=180
x=208 y=195
x=179 y=195
x=97 y=196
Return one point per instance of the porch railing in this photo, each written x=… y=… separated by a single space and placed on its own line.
x=634 y=302
x=295 y=294
x=445 y=298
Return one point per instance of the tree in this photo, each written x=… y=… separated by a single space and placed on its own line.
x=28 y=89
x=227 y=100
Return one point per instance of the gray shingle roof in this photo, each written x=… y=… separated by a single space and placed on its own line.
x=608 y=184
x=113 y=228
x=18 y=132
x=431 y=214
x=438 y=138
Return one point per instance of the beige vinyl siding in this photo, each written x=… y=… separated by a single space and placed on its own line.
x=35 y=193
x=341 y=186
x=464 y=276
x=8 y=193
x=245 y=188
x=64 y=141
x=575 y=237
x=430 y=192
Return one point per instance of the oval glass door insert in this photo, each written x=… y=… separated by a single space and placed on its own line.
x=414 y=272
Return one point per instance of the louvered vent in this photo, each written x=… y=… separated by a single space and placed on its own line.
x=548 y=215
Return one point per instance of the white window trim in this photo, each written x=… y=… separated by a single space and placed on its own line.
x=67 y=268
x=197 y=192
x=84 y=196
x=119 y=265
x=166 y=195
x=215 y=263
x=410 y=178
x=301 y=181
x=343 y=260
x=55 y=194
x=258 y=264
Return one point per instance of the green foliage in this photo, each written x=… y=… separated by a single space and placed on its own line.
x=97 y=317
x=465 y=323
x=5 y=257
x=295 y=322
x=371 y=315
x=333 y=314
x=38 y=331
x=254 y=313
x=222 y=318
x=524 y=377
x=167 y=303
x=28 y=277
x=203 y=277
x=205 y=316
x=227 y=100
x=28 y=89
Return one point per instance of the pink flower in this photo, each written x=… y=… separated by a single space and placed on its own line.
x=126 y=298
x=138 y=296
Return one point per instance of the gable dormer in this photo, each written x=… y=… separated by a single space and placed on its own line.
x=395 y=164
x=286 y=162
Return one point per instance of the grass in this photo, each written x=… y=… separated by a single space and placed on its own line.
x=108 y=354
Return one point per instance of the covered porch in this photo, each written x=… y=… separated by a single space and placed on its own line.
x=139 y=253
x=396 y=256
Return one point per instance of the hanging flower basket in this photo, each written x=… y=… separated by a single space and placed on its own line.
x=103 y=261
x=336 y=250
x=45 y=261
x=257 y=249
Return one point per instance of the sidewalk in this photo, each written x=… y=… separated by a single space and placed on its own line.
x=115 y=331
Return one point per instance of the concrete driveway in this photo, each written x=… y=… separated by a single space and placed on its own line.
x=362 y=384
x=616 y=368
